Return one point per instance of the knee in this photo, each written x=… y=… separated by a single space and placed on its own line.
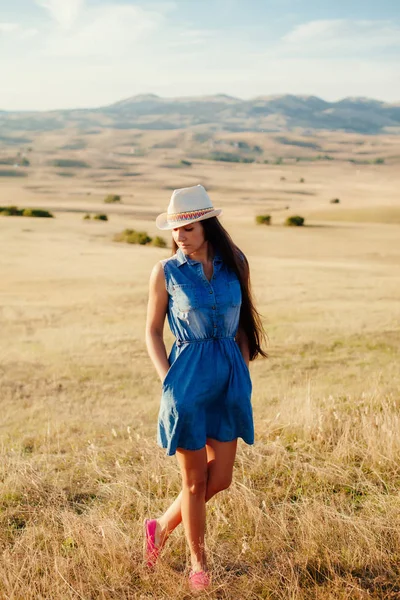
x=218 y=484
x=196 y=487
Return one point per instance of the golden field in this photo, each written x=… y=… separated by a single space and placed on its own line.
x=313 y=512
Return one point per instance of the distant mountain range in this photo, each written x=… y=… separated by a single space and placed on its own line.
x=265 y=113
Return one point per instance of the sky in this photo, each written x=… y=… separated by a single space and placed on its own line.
x=58 y=54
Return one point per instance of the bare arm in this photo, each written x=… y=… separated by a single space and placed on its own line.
x=243 y=344
x=156 y=311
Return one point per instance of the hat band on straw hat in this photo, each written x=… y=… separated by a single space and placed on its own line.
x=190 y=214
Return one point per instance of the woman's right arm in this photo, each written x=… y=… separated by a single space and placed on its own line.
x=156 y=311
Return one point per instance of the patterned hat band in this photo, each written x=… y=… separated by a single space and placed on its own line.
x=191 y=214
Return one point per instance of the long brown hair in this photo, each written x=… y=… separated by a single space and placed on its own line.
x=250 y=320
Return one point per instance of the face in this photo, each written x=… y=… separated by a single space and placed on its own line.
x=190 y=238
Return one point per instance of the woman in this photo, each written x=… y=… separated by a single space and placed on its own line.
x=204 y=289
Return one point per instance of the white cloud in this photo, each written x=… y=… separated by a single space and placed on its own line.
x=15 y=31
x=338 y=35
x=104 y=31
x=8 y=27
x=98 y=54
x=64 y=12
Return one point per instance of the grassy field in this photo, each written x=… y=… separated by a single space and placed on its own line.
x=313 y=512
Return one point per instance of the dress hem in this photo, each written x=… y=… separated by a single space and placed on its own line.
x=169 y=453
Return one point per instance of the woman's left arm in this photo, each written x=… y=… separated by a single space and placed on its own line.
x=243 y=343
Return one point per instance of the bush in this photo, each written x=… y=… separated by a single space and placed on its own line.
x=379 y=161
x=111 y=198
x=159 y=242
x=100 y=217
x=138 y=237
x=11 y=211
x=334 y=201
x=24 y=162
x=263 y=219
x=86 y=217
x=130 y=236
x=294 y=221
x=37 y=212
x=283 y=178
x=186 y=163
x=301 y=179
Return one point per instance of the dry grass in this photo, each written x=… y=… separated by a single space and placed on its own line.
x=314 y=508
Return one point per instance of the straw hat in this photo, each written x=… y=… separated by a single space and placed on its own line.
x=187 y=205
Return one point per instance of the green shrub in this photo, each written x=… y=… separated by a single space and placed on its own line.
x=24 y=162
x=139 y=237
x=334 y=201
x=379 y=161
x=301 y=179
x=159 y=242
x=11 y=211
x=37 y=212
x=263 y=219
x=100 y=217
x=294 y=221
x=130 y=236
x=111 y=198
x=86 y=217
x=186 y=163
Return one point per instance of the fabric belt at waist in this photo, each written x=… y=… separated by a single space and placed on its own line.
x=201 y=340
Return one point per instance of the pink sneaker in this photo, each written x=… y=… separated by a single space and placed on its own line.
x=150 y=550
x=199 y=581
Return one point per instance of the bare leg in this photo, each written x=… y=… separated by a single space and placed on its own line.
x=220 y=461
x=193 y=464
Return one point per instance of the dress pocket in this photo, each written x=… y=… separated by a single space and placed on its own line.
x=167 y=376
x=235 y=292
x=185 y=296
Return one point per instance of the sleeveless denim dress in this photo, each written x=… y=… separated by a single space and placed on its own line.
x=207 y=390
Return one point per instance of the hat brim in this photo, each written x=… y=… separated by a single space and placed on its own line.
x=163 y=223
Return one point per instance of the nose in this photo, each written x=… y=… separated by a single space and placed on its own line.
x=181 y=235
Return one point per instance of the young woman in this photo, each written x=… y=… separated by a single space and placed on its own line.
x=204 y=290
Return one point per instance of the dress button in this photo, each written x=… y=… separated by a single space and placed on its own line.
x=213 y=307
x=211 y=292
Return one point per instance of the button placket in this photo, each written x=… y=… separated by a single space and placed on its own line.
x=211 y=292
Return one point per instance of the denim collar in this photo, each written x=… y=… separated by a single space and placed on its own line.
x=182 y=258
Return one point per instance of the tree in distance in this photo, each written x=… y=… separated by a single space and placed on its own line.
x=334 y=201
x=295 y=221
x=263 y=219
x=100 y=217
x=111 y=198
